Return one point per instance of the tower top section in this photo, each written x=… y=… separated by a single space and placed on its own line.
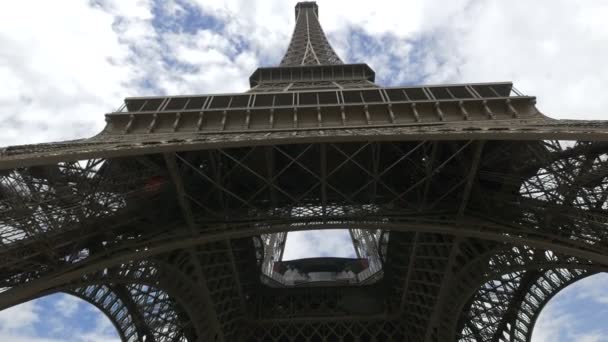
x=308 y=45
x=307 y=4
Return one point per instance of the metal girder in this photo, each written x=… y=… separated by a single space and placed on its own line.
x=510 y=314
x=515 y=306
x=124 y=325
x=471 y=177
x=447 y=280
x=351 y=163
x=164 y=243
x=107 y=146
x=138 y=320
x=429 y=167
x=177 y=191
x=410 y=270
x=139 y=312
x=308 y=43
x=182 y=197
x=189 y=218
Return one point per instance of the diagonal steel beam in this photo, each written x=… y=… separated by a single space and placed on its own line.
x=170 y=160
x=276 y=175
x=323 y=161
x=211 y=180
x=235 y=275
x=178 y=183
x=444 y=289
x=471 y=177
x=518 y=298
x=214 y=161
x=138 y=319
x=410 y=271
x=270 y=171
x=373 y=175
x=318 y=178
x=431 y=173
x=429 y=170
x=187 y=211
x=268 y=182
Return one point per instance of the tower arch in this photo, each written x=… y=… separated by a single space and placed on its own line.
x=165 y=206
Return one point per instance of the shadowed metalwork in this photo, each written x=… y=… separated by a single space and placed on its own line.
x=468 y=209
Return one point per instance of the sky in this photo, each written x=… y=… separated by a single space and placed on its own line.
x=63 y=64
x=318 y=243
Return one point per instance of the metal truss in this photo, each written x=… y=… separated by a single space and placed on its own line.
x=472 y=208
x=506 y=308
x=138 y=312
x=324 y=330
x=452 y=220
x=308 y=43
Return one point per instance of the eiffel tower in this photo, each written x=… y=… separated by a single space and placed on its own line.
x=468 y=209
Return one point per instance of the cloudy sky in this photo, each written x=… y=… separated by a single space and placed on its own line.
x=63 y=64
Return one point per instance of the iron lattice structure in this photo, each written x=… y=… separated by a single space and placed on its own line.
x=472 y=207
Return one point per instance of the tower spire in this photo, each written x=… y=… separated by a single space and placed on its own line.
x=308 y=45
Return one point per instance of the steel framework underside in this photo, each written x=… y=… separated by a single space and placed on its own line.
x=487 y=207
x=482 y=234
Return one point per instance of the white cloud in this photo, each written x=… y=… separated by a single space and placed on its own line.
x=572 y=314
x=550 y=49
x=23 y=338
x=19 y=318
x=58 y=70
x=552 y=325
x=69 y=62
x=592 y=337
x=81 y=58
x=103 y=331
x=318 y=243
x=593 y=289
x=67 y=305
x=266 y=25
x=17 y=324
x=217 y=66
x=54 y=321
